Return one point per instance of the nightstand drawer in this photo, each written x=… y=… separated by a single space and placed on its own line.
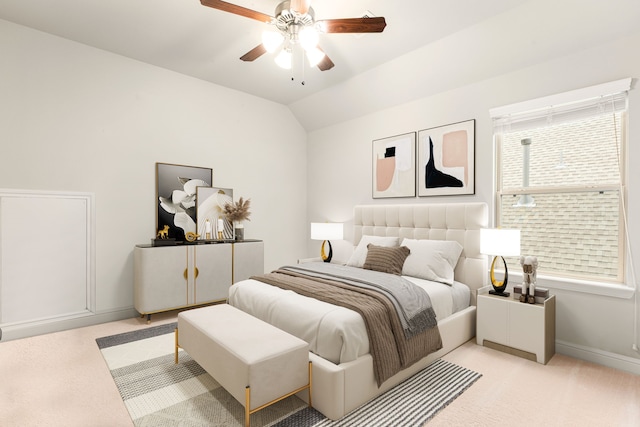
x=525 y=331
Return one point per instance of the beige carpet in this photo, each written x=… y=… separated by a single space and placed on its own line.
x=518 y=392
x=61 y=380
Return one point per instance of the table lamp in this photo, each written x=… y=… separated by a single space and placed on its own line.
x=499 y=242
x=326 y=231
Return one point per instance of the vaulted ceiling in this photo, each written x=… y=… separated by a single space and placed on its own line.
x=186 y=37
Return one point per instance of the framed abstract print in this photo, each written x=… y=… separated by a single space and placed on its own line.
x=394 y=166
x=176 y=197
x=446 y=160
x=211 y=202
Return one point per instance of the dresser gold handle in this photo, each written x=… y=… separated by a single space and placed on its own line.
x=186 y=273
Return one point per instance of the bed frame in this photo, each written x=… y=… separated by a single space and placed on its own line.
x=339 y=389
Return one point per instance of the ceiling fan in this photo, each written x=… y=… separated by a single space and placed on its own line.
x=296 y=24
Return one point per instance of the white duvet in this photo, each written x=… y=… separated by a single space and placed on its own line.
x=334 y=333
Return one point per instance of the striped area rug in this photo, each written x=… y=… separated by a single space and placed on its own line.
x=157 y=392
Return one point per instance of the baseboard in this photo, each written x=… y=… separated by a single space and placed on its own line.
x=47 y=326
x=601 y=357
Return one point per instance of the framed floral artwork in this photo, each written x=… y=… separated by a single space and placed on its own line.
x=394 y=166
x=176 y=188
x=446 y=160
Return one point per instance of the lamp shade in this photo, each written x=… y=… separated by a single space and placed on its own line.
x=327 y=231
x=500 y=241
x=272 y=40
x=314 y=56
x=284 y=59
x=308 y=38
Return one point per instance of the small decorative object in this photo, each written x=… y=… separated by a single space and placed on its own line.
x=326 y=231
x=237 y=213
x=190 y=236
x=162 y=237
x=499 y=242
x=529 y=272
x=164 y=233
x=207 y=229
x=220 y=228
x=542 y=294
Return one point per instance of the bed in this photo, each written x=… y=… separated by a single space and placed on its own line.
x=345 y=374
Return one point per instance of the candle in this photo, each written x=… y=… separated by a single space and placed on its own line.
x=207 y=229
x=220 y=225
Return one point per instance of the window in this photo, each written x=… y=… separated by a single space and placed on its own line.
x=560 y=180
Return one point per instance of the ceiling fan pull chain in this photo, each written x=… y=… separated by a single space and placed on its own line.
x=302 y=65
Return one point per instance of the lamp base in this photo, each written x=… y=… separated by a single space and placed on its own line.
x=326 y=257
x=501 y=294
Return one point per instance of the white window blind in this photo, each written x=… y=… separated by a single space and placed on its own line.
x=562 y=108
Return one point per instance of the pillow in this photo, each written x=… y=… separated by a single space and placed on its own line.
x=432 y=260
x=360 y=254
x=386 y=260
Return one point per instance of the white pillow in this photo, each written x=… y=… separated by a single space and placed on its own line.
x=360 y=254
x=432 y=259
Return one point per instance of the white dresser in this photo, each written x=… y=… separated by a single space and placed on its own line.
x=186 y=275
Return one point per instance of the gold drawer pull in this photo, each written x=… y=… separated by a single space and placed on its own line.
x=186 y=273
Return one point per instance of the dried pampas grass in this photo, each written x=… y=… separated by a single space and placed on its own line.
x=238 y=211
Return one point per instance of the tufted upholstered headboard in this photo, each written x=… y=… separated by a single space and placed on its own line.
x=446 y=221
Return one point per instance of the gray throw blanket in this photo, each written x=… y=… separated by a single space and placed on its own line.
x=390 y=349
x=411 y=302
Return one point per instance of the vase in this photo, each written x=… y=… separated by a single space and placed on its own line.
x=238 y=230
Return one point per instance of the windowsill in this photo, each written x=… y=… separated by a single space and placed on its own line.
x=583 y=286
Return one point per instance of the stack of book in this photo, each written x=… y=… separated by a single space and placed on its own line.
x=541 y=293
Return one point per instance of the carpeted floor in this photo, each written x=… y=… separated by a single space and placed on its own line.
x=61 y=380
x=158 y=392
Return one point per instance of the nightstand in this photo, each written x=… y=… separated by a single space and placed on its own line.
x=525 y=330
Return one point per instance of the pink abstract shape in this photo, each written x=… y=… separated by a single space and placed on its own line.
x=454 y=151
x=385 y=169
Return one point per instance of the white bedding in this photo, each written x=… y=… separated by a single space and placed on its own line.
x=334 y=333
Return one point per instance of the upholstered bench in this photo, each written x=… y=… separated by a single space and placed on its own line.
x=257 y=363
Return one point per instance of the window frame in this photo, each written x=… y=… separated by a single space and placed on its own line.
x=618 y=286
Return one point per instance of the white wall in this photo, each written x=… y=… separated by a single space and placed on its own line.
x=74 y=118
x=588 y=326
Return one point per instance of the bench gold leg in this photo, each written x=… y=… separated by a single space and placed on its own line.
x=247 y=398
x=310 y=382
x=177 y=346
x=247 y=412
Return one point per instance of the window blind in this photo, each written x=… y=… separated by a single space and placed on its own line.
x=606 y=98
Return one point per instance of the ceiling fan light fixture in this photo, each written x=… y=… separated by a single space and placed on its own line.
x=308 y=37
x=314 y=56
x=272 y=40
x=284 y=59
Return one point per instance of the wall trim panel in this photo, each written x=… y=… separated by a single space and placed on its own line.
x=47 y=256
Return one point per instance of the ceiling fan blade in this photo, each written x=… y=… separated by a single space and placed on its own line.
x=300 y=6
x=254 y=53
x=326 y=63
x=238 y=10
x=353 y=25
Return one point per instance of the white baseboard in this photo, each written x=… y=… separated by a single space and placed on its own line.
x=601 y=357
x=47 y=326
